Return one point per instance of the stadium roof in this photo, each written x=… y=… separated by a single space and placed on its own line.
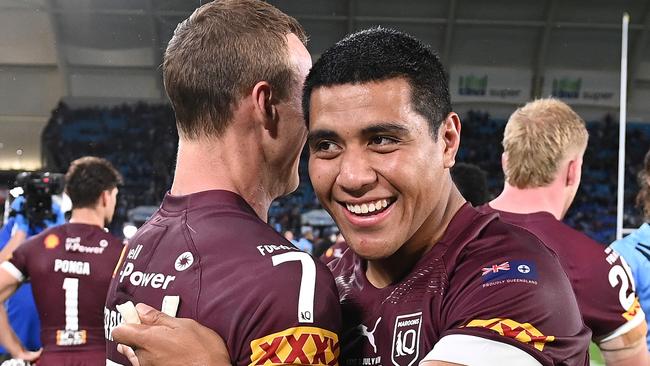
x=97 y=51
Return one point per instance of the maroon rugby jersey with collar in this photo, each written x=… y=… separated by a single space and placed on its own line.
x=69 y=267
x=486 y=293
x=602 y=283
x=272 y=303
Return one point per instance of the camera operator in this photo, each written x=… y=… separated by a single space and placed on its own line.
x=30 y=213
x=70 y=267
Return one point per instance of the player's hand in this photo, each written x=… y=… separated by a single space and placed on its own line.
x=59 y=218
x=21 y=223
x=30 y=356
x=165 y=341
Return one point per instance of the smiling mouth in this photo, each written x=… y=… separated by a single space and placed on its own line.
x=368 y=208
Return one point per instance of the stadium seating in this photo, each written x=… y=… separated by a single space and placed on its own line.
x=141 y=141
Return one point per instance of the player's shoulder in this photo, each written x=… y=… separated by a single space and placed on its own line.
x=638 y=240
x=497 y=237
x=49 y=238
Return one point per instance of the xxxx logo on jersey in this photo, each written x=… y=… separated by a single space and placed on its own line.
x=297 y=346
x=523 y=332
x=632 y=312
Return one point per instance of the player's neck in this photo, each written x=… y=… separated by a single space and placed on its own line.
x=386 y=271
x=225 y=164
x=88 y=216
x=529 y=200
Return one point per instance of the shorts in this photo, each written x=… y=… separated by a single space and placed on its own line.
x=73 y=358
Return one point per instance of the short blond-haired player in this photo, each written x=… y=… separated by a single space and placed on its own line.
x=544 y=143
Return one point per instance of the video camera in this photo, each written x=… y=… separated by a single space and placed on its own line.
x=38 y=189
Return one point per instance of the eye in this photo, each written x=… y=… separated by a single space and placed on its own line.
x=325 y=149
x=382 y=140
x=325 y=146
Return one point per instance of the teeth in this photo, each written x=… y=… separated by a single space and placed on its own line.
x=365 y=208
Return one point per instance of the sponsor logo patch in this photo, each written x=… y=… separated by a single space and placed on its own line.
x=74 y=245
x=184 y=261
x=51 y=241
x=370 y=334
x=297 y=346
x=523 y=332
x=70 y=337
x=517 y=271
x=406 y=339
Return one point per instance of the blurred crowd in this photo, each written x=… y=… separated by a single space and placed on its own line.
x=140 y=140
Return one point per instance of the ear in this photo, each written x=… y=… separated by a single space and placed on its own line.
x=104 y=197
x=450 y=134
x=265 y=108
x=504 y=161
x=572 y=172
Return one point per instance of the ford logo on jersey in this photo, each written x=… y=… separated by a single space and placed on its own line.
x=510 y=270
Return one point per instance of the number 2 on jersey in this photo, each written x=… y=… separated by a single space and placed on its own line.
x=621 y=275
x=307 y=283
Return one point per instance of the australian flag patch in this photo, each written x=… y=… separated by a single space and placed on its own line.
x=516 y=271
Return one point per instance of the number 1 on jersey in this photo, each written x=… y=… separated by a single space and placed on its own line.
x=307 y=283
x=71 y=335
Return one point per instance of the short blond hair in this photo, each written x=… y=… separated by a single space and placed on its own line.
x=537 y=137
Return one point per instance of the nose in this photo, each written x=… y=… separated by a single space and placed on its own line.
x=356 y=174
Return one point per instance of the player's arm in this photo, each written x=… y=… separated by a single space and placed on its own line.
x=627 y=349
x=163 y=340
x=16 y=239
x=611 y=307
x=8 y=338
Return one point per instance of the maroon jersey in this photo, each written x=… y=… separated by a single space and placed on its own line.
x=335 y=251
x=487 y=293
x=272 y=303
x=70 y=267
x=602 y=283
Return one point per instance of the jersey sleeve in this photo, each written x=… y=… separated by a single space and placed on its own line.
x=284 y=311
x=16 y=265
x=607 y=297
x=511 y=297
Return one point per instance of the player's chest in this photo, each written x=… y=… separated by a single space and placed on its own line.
x=392 y=335
x=397 y=329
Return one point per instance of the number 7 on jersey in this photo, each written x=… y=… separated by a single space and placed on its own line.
x=307 y=283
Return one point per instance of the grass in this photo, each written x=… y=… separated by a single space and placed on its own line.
x=595 y=356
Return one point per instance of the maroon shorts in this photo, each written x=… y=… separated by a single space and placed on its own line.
x=73 y=358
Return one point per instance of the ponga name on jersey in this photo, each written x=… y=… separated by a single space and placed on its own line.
x=144 y=279
x=74 y=267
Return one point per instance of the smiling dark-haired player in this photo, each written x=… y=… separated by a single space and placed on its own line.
x=430 y=278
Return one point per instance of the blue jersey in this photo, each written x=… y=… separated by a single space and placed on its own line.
x=21 y=308
x=635 y=249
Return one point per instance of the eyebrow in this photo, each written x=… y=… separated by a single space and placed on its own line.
x=386 y=127
x=316 y=135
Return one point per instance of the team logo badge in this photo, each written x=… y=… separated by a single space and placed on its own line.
x=184 y=261
x=406 y=339
x=51 y=241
